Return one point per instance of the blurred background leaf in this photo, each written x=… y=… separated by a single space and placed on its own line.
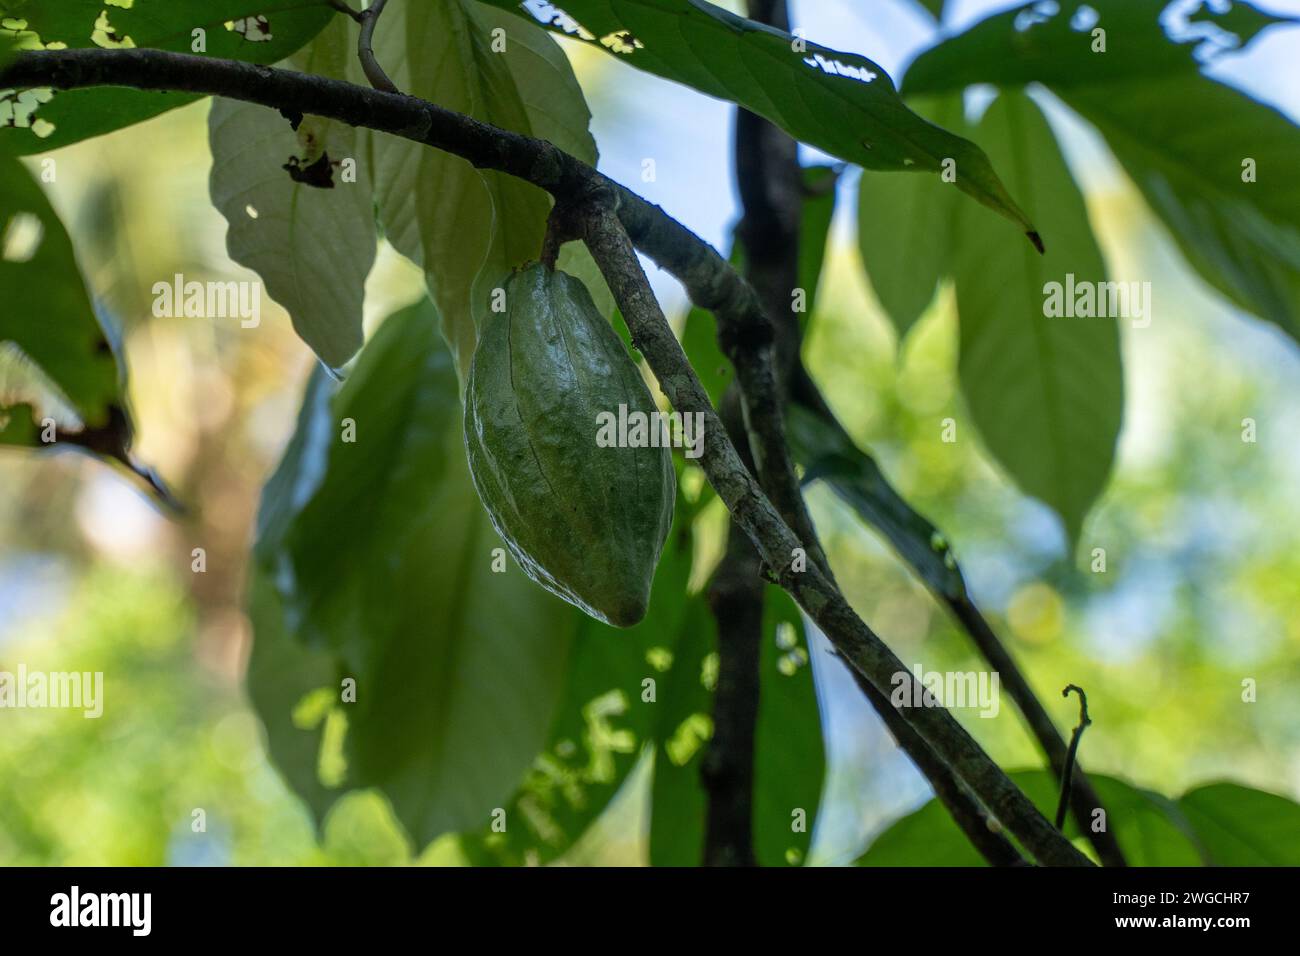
x=1046 y=392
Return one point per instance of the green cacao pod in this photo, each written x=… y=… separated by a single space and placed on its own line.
x=586 y=522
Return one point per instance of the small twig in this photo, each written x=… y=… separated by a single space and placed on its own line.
x=1068 y=772
x=345 y=9
x=369 y=18
x=561 y=227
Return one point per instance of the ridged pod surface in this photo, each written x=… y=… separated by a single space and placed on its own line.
x=587 y=523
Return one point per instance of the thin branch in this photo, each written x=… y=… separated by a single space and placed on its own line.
x=770 y=181
x=1084 y=722
x=736 y=599
x=345 y=8
x=708 y=279
x=727 y=773
x=753 y=513
x=1084 y=797
x=366 y=48
x=983 y=832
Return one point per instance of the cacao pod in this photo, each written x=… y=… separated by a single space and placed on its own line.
x=585 y=522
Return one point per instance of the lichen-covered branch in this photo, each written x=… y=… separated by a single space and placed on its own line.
x=754 y=514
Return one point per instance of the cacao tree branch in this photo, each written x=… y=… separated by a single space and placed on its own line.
x=1084 y=799
x=366 y=48
x=736 y=599
x=751 y=510
x=770 y=181
x=711 y=283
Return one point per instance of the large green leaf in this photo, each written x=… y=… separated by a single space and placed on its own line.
x=312 y=246
x=904 y=229
x=468 y=228
x=605 y=720
x=380 y=558
x=1167 y=124
x=1148 y=827
x=1046 y=392
x=230 y=30
x=56 y=358
x=1239 y=826
x=840 y=102
x=789 y=760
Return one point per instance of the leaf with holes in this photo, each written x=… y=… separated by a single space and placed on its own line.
x=1045 y=390
x=840 y=102
x=312 y=246
x=256 y=31
x=1233 y=210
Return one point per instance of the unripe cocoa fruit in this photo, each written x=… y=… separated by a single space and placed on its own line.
x=585 y=522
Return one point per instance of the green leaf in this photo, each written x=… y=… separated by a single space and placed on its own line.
x=381 y=560
x=56 y=357
x=1054 y=44
x=1148 y=827
x=1166 y=123
x=1046 y=392
x=840 y=102
x=468 y=228
x=603 y=723
x=312 y=246
x=159 y=24
x=817 y=212
x=828 y=453
x=1239 y=826
x=1242 y=237
x=904 y=229
x=683 y=728
x=789 y=760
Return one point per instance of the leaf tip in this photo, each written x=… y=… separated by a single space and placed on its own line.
x=1037 y=240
